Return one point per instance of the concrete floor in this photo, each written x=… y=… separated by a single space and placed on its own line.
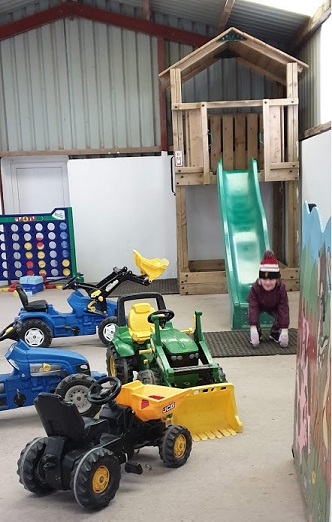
x=246 y=478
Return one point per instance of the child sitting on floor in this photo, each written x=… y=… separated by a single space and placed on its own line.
x=268 y=294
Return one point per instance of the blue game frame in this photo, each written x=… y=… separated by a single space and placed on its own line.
x=37 y=244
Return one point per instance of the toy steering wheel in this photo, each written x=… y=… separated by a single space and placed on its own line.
x=70 y=282
x=11 y=331
x=99 y=395
x=164 y=316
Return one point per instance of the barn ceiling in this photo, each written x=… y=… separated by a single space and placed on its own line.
x=278 y=27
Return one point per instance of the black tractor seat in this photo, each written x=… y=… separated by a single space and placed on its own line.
x=62 y=418
x=34 y=306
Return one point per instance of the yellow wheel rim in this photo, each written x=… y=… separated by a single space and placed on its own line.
x=100 y=480
x=180 y=446
x=111 y=365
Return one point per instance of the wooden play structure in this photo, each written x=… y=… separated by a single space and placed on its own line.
x=266 y=130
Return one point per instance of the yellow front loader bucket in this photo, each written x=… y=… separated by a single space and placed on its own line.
x=209 y=412
x=153 y=268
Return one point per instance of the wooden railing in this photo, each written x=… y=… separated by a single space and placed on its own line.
x=207 y=135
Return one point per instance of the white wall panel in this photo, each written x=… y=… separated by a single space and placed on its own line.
x=316 y=173
x=121 y=204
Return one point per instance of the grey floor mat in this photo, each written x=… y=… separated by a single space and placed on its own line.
x=162 y=286
x=236 y=344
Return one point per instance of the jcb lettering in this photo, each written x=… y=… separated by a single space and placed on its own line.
x=169 y=407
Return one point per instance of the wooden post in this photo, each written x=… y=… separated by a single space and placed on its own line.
x=292 y=197
x=178 y=145
x=266 y=139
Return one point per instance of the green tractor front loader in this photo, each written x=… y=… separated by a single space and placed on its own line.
x=146 y=342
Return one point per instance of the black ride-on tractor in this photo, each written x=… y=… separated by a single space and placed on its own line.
x=85 y=455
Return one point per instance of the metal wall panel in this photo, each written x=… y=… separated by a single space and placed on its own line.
x=80 y=85
x=76 y=84
x=309 y=84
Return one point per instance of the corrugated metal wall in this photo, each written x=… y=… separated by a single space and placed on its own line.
x=76 y=84
x=309 y=84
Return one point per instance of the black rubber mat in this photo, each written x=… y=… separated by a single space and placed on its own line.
x=162 y=286
x=236 y=344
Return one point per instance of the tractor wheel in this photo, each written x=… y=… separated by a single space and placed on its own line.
x=96 y=478
x=221 y=375
x=120 y=367
x=36 y=333
x=175 y=446
x=148 y=377
x=106 y=330
x=29 y=467
x=74 y=388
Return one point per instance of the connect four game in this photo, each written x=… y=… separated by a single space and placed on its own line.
x=37 y=244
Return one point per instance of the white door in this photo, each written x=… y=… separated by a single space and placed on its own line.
x=34 y=186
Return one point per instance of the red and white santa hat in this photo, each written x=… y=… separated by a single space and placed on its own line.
x=269 y=267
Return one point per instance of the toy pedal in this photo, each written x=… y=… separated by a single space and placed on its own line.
x=133 y=467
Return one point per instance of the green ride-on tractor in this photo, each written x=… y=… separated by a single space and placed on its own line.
x=147 y=342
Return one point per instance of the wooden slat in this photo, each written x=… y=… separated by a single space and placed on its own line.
x=289 y=273
x=203 y=289
x=195 y=133
x=189 y=179
x=260 y=145
x=278 y=221
x=227 y=142
x=226 y=11
x=206 y=265
x=315 y=131
x=215 y=130
x=205 y=144
x=187 y=138
x=181 y=229
x=275 y=134
x=292 y=114
x=200 y=277
x=292 y=187
x=240 y=141
x=217 y=105
x=282 y=175
x=261 y=71
x=282 y=102
x=188 y=170
x=177 y=121
x=200 y=283
x=252 y=137
x=266 y=137
x=285 y=165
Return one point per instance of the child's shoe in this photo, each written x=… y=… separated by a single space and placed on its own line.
x=274 y=335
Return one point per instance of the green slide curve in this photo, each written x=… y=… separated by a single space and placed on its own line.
x=245 y=237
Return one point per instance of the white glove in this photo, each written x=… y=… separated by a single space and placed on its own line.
x=254 y=337
x=283 y=338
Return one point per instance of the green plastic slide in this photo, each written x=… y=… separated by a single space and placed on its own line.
x=245 y=237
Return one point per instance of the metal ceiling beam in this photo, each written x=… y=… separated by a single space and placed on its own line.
x=315 y=22
x=72 y=9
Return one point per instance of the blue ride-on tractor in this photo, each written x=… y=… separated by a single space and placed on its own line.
x=91 y=314
x=38 y=370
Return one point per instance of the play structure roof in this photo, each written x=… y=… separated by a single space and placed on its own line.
x=251 y=52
